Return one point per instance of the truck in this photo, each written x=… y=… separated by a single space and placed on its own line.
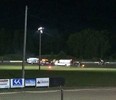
x=63 y=62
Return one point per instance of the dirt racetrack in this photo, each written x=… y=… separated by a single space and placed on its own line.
x=68 y=94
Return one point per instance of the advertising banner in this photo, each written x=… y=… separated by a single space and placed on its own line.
x=30 y=82
x=42 y=82
x=4 y=83
x=17 y=83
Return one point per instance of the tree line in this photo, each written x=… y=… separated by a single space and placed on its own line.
x=85 y=44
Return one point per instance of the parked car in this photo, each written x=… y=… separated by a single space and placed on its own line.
x=32 y=60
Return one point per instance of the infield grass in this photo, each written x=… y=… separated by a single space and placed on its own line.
x=74 y=77
x=57 y=68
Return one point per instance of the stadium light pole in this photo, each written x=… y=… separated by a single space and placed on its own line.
x=40 y=29
x=24 y=43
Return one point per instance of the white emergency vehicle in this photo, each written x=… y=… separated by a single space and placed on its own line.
x=63 y=62
x=32 y=60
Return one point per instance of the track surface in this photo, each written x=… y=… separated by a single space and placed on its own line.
x=71 y=94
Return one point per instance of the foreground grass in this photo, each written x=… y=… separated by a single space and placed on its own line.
x=74 y=77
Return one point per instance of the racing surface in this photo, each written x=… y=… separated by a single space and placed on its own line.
x=68 y=94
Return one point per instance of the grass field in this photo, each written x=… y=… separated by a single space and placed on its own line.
x=74 y=77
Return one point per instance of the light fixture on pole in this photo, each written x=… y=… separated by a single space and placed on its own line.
x=40 y=29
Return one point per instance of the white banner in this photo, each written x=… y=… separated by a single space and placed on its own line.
x=42 y=82
x=17 y=83
x=4 y=83
x=29 y=82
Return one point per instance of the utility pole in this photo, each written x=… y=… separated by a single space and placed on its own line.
x=24 y=43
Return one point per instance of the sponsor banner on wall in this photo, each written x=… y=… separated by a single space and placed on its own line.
x=17 y=83
x=42 y=82
x=30 y=82
x=4 y=83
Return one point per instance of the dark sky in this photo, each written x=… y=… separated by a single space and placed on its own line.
x=64 y=15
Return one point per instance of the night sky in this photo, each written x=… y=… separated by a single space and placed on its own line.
x=65 y=15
